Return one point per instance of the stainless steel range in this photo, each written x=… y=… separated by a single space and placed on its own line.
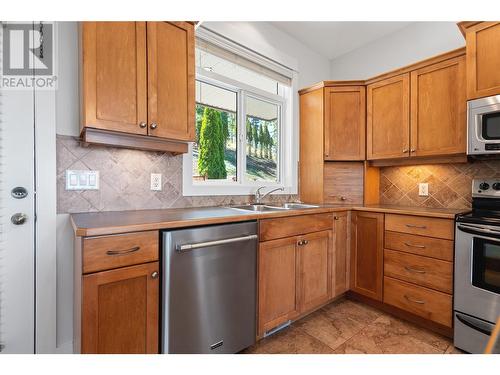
x=477 y=268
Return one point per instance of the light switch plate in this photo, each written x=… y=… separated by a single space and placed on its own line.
x=82 y=180
x=423 y=189
x=156 y=181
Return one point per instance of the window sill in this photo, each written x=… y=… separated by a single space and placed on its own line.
x=189 y=190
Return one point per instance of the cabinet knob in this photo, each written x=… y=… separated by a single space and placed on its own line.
x=342 y=198
x=405 y=150
x=155 y=275
x=142 y=125
x=413 y=150
x=153 y=125
x=335 y=218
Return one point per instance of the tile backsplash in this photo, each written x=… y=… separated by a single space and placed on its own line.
x=449 y=184
x=125 y=180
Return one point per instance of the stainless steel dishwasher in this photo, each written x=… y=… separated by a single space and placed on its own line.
x=209 y=288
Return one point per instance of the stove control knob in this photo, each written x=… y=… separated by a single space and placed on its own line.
x=484 y=186
x=496 y=186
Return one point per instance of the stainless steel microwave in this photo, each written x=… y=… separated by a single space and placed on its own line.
x=483 y=126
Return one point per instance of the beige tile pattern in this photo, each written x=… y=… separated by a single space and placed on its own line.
x=124 y=180
x=348 y=327
x=449 y=184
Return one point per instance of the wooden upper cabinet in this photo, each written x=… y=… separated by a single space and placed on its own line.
x=278 y=301
x=345 y=123
x=120 y=310
x=388 y=118
x=171 y=75
x=367 y=242
x=438 y=109
x=314 y=252
x=138 y=78
x=114 y=83
x=483 y=59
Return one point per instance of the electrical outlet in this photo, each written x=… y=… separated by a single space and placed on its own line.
x=156 y=181
x=423 y=189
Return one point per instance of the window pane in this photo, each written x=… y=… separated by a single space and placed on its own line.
x=215 y=150
x=262 y=125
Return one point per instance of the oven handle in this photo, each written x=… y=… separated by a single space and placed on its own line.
x=469 y=322
x=479 y=231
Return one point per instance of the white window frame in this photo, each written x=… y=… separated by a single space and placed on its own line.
x=288 y=148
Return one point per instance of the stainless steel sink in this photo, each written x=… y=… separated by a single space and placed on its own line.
x=298 y=206
x=258 y=208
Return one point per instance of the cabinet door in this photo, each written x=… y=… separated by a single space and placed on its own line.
x=367 y=241
x=114 y=76
x=438 y=109
x=343 y=182
x=120 y=310
x=277 y=283
x=171 y=76
x=340 y=258
x=314 y=252
x=345 y=123
x=388 y=116
x=483 y=59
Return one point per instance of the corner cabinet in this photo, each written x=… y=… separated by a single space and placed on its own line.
x=344 y=123
x=137 y=82
x=483 y=59
x=367 y=254
x=419 y=113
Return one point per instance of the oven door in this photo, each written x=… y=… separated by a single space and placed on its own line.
x=477 y=271
x=484 y=126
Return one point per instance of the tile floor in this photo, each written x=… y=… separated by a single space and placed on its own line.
x=348 y=327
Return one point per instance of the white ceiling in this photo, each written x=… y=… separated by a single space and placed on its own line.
x=333 y=39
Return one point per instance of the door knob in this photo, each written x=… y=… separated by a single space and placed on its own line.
x=19 y=192
x=18 y=218
x=153 y=125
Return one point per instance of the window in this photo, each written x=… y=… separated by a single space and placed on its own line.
x=244 y=132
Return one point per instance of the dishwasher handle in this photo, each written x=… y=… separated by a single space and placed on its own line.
x=198 y=245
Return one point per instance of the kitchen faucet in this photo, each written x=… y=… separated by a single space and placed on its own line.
x=259 y=196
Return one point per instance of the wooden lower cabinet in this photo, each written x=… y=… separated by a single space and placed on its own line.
x=340 y=257
x=314 y=284
x=294 y=277
x=120 y=310
x=367 y=241
x=277 y=283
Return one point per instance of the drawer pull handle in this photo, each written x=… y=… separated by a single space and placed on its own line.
x=410 y=269
x=123 y=252
x=414 y=300
x=417 y=246
x=416 y=226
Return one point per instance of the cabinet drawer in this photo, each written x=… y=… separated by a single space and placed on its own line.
x=420 y=245
x=294 y=225
x=427 y=303
x=424 y=226
x=107 y=252
x=343 y=182
x=431 y=273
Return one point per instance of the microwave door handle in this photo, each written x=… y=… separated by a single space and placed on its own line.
x=480 y=231
x=482 y=327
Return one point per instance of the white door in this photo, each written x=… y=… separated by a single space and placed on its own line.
x=17 y=222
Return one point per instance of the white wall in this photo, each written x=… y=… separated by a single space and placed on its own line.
x=415 y=42
x=67 y=123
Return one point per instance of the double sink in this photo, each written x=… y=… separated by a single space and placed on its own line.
x=268 y=208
